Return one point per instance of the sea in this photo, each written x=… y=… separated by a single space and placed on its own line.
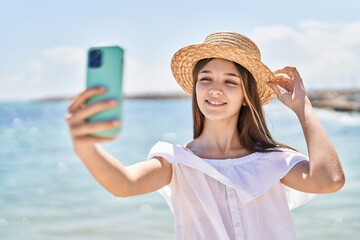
x=47 y=193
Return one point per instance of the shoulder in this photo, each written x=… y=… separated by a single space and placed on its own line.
x=191 y=146
x=163 y=150
x=283 y=153
x=166 y=150
x=280 y=160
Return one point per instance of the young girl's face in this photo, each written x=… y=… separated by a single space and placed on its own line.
x=219 y=92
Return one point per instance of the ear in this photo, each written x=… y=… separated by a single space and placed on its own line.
x=244 y=104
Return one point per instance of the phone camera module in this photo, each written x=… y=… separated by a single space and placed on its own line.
x=95 y=58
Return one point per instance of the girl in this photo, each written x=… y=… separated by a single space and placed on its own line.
x=233 y=180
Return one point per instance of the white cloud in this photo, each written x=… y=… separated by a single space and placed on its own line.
x=327 y=54
x=140 y=78
x=55 y=71
x=60 y=71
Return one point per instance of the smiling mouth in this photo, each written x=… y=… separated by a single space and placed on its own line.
x=215 y=103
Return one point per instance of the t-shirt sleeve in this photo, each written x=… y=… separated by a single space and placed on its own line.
x=296 y=198
x=260 y=175
x=288 y=159
x=166 y=151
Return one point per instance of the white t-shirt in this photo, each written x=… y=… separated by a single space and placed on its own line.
x=231 y=199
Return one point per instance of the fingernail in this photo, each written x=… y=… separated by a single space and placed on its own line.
x=112 y=102
x=101 y=89
x=115 y=122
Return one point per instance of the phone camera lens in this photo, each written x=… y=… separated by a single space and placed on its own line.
x=95 y=58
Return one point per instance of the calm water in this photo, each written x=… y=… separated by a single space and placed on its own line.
x=46 y=193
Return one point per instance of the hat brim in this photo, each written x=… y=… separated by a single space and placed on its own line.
x=184 y=61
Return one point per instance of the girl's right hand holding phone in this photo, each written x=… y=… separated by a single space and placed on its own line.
x=79 y=111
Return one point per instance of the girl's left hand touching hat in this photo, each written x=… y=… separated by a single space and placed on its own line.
x=289 y=88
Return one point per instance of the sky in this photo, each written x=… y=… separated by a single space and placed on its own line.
x=43 y=44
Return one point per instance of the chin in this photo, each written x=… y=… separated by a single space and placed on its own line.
x=220 y=117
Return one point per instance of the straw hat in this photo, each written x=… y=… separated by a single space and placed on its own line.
x=227 y=45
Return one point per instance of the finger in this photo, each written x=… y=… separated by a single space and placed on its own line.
x=286 y=70
x=281 y=79
x=91 y=109
x=292 y=72
x=282 y=95
x=296 y=73
x=283 y=70
x=79 y=101
x=84 y=129
x=91 y=140
x=70 y=120
x=276 y=88
x=84 y=96
x=295 y=79
x=282 y=76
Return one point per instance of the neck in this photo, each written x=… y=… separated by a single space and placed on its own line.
x=219 y=139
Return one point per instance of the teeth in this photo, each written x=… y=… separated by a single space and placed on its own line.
x=215 y=102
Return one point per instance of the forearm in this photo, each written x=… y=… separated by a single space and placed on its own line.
x=106 y=169
x=324 y=165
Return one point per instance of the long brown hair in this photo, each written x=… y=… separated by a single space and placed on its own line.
x=251 y=126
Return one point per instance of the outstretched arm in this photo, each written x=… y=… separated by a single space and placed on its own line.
x=140 y=178
x=121 y=181
x=323 y=173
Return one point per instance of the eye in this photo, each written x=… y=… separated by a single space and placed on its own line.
x=204 y=79
x=231 y=82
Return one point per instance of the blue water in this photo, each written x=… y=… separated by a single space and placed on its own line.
x=46 y=192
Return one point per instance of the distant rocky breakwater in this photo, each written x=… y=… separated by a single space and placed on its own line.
x=338 y=100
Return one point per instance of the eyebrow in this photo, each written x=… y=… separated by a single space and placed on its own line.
x=228 y=74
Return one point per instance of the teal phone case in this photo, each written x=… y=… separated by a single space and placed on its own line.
x=105 y=69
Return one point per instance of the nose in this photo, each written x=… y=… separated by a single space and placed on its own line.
x=215 y=91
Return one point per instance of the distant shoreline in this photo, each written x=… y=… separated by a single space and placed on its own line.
x=129 y=96
x=337 y=100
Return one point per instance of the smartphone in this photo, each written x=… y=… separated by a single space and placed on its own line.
x=105 y=69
